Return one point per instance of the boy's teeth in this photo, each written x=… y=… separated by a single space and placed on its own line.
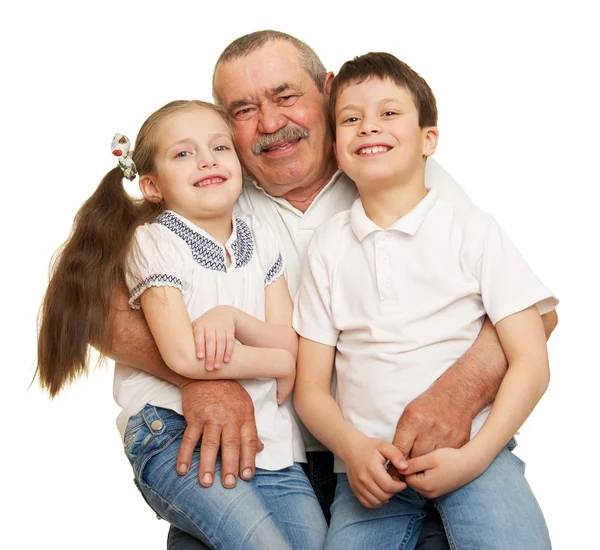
x=371 y=150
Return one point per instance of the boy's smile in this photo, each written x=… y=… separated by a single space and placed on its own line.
x=378 y=134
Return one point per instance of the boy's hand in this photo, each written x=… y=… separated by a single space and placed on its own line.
x=365 y=460
x=442 y=471
x=214 y=334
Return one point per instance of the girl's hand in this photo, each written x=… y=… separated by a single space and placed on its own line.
x=443 y=471
x=214 y=334
x=365 y=459
x=285 y=384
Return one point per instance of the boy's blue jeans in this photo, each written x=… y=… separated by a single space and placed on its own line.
x=276 y=510
x=496 y=511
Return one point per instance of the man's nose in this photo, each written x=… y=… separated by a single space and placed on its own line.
x=270 y=118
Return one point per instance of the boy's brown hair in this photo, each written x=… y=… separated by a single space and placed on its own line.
x=385 y=66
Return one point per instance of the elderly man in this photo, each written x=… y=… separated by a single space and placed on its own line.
x=276 y=89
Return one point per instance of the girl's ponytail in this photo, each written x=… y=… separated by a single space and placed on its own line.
x=84 y=273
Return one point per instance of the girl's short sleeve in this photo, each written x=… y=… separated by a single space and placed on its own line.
x=267 y=246
x=155 y=259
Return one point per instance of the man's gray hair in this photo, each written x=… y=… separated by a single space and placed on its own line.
x=245 y=45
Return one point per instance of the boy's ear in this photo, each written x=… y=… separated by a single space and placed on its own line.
x=149 y=189
x=430 y=140
x=328 y=82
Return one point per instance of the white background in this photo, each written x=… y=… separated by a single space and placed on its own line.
x=517 y=90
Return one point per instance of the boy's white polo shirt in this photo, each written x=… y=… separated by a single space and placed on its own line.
x=402 y=305
x=294 y=228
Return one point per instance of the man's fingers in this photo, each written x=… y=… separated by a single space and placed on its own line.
x=422 y=447
x=249 y=447
x=209 y=362
x=199 y=341
x=211 y=439
x=190 y=439
x=404 y=438
x=419 y=464
x=230 y=455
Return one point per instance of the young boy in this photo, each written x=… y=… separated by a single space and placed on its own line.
x=393 y=292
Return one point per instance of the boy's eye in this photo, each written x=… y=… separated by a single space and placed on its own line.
x=351 y=119
x=390 y=113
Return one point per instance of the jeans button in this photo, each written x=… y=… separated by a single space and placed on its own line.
x=156 y=424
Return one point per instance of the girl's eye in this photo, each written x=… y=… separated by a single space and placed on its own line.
x=221 y=148
x=183 y=154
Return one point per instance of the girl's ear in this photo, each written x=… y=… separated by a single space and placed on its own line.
x=150 y=189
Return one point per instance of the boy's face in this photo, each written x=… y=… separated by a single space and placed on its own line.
x=378 y=133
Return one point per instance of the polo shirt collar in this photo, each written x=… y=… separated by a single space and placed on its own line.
x=283 y=202
x=363 y=226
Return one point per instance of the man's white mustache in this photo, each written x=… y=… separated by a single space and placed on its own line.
x=287 y=132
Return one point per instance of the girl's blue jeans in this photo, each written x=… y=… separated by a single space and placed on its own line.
x=275 y=510
x=496 y=511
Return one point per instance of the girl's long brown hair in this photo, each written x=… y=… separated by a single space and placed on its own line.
x=90 y=265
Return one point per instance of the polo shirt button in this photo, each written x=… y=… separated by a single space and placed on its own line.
x=388 y=283
x=385 y=259
x=156 y=424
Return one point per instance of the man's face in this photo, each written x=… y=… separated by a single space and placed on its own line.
x=280 y=118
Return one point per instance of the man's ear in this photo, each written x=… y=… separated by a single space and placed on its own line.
x=430 y=140
x=150 y=189
x=328 y=82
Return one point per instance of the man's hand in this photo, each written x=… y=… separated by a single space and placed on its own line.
x=222 y=413
x=431 y=421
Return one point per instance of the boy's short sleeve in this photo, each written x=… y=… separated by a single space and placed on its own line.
x=508 y=285
x=154 y=259
x=267 y=247
x=313 y=317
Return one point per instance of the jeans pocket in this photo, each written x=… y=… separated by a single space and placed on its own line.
x=135 y=440
x=518 y=461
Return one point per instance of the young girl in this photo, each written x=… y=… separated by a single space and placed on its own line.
x=393 y=293
x=184 y=255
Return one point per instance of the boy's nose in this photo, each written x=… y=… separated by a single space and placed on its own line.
x=368 y=128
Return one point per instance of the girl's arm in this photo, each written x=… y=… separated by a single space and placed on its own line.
x=171 y=328
x=524 y=342
x=275 y=332
x=364 y=457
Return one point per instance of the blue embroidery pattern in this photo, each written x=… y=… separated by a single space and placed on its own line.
x=243 y=246
x=275 y=271
x=206 y=252
x=154 y=280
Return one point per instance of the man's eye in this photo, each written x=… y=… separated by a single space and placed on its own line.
x=183 y=154
x=244 y=114
x=287 y=100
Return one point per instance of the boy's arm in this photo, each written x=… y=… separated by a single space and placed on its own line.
x=220 y=411
x=442 y=415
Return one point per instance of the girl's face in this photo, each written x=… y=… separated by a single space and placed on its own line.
x=198 y=174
